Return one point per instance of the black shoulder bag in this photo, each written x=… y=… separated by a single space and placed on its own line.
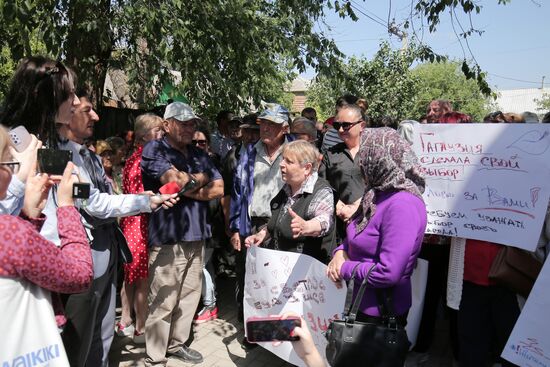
x=383 y=344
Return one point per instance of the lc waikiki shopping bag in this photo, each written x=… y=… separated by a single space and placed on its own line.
x=28 y=332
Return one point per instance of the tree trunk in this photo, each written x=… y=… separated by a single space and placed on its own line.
x=89 y=45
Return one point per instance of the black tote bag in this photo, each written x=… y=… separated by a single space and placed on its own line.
x=383 y=344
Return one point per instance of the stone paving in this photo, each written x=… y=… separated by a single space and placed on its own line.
x=219 y=342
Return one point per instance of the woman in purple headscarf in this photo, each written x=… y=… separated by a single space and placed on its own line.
x=386 y=232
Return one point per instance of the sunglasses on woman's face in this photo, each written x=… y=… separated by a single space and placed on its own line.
x=12 y=166
x=345 y=125
x=200 y=142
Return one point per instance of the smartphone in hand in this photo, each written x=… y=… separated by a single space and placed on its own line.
x=20 y=138
x=266 y=329
x=53 y=161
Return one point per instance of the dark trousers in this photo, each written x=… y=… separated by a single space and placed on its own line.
x=486 y=318
x=89 y=331
x=436 y=290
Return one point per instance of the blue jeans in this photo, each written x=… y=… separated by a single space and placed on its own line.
x=208 y=286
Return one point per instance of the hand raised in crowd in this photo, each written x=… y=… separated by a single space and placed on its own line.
x=37 y=189
x=235 y=240
x=301 y=227
x=65 y=187
x=26 y=159
x=304 y=347
x=256 y=239
x=334 y=266
x=297 y=225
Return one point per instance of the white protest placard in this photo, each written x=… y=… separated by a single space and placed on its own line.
x=529 y=343
x=485 y=181
x=277 y=282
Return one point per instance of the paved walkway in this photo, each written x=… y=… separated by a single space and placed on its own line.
x=219 y=342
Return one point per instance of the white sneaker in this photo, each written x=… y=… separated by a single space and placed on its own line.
x=122 y=330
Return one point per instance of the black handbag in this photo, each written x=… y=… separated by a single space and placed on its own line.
x=124 y=253
x=380 y=344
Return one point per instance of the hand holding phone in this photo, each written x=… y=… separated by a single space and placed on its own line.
x=272 y=328
x=65 y=187
x=53 y=161
x=20 y=138
x=305 y=347
x=24 y=151
x=37 y=189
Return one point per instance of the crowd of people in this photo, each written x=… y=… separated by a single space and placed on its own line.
x=337 y=191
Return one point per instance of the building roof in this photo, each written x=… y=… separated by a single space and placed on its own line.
x=299 y=85
x=520 y=100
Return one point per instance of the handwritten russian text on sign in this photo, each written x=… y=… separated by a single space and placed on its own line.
x=277 y=282
x=529 y=344
x=485 y=181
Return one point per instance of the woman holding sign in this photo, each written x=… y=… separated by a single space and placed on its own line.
x=385 y=234
x=302 y=212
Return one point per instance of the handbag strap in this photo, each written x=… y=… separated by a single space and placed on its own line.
x=352 y=312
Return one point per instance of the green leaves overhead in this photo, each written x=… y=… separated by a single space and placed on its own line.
x=385 y=82
x=392 y=88
x=229 y=52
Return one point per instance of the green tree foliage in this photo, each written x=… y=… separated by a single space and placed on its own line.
x=543 y=104
x=7 y=67
x=444 y=80
x=228 y=51
x=393 y=89
x=385 y=82
x=8 y=63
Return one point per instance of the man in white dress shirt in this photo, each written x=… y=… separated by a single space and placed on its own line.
x=91 y=315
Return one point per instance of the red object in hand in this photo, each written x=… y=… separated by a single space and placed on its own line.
x=170 y=188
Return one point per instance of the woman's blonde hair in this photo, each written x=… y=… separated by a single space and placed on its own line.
x=144 y=123
x=5 y=142
x=304 y=152
x=102 y=146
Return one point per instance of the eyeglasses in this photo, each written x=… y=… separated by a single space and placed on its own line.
x=345 y=125
x=12 y=166
x=200 y=142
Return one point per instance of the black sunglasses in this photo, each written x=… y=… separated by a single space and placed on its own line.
x=198 y=142
x=345 y=125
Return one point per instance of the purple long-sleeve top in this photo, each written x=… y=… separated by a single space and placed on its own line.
x=395 y=231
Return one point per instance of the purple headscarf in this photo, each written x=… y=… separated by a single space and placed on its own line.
x=388 y=164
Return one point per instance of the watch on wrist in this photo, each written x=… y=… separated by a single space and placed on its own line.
x=190 y=185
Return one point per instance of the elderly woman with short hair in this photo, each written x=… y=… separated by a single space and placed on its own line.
x=302 y=212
